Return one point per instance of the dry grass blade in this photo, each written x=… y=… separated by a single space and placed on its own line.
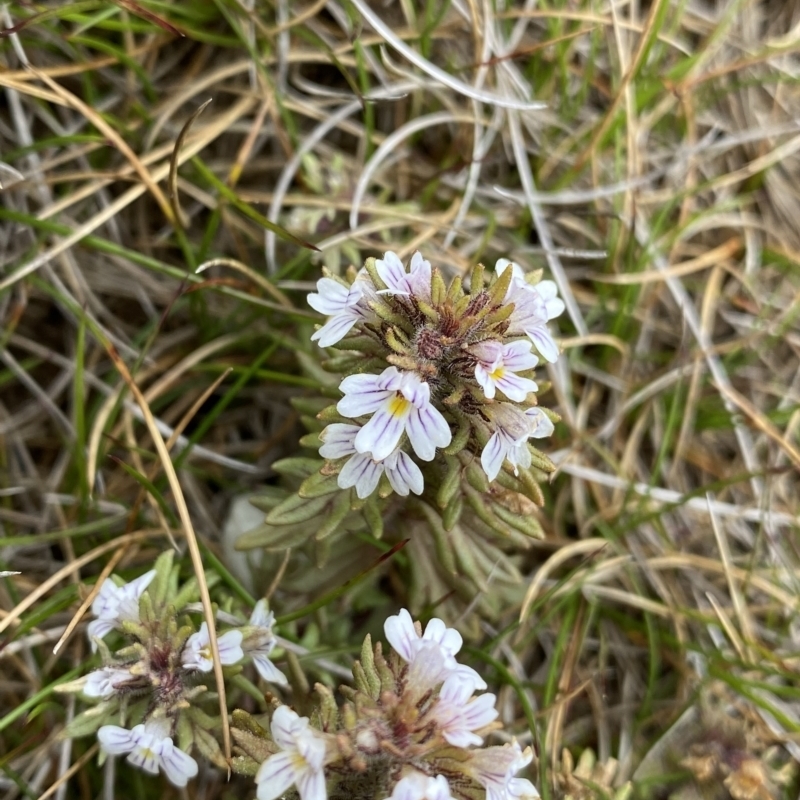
x=118 y=141
x=81 y=561
x=172 y=181
x=79 y=764
x=761 y=422
x=657 y=188
x=587 y=548
x=259 y=280
x=89 y=599
x=191 y=541
x=712 y=258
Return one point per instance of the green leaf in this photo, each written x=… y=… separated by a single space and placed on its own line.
x=296 y=509
x=318 y=485
x=298 y=467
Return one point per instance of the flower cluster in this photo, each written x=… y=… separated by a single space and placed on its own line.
x=413 y=729
x=153 y=680
x=438 y=369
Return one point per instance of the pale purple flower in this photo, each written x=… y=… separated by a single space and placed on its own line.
x=362 y=471
x=416 y=282
x=116 y=604
x=417 y=786
x=430 y=656
x=404 y=639
x=398 y=402
x=498 y=364
x=495 y=767
x=149 y=747
x=197 y=650
x=512 y=429
x=540 y=424
x=533 y=307
x=105 y=681
x=509 y=440
x=260 y=642
x=343 y=304
x=299 y=762
x=457 y=713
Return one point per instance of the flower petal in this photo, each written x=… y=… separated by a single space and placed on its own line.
x=230 y=647
x=362 y=472
x=401 y=634
x=262 y=617
x=98 y=628
x=285 y=724
x=540 y=424
x=502 y=264
x=548 y=291
x=334 y=330
x=337 y=440
x=427 y=429
x=403 y=474
x=363 y=394
x=115 y=740
x=382 y=433
x=178 y=766
x=268 y=671
x=419 y=277
x=484 y=380
x=103 y=682
x=448 y=638
x=332 y=297
x=521 y=788
x=107 y=601
x=459 y=737
x=514 y=387
x=143 y=757
x=311 y=785
x=493 y=455
x=392 y=272
x=517 y=356
x=135 y=588
x=276 y=775
x=544 y=342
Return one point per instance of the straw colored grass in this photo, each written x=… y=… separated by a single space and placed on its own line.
x=154 y=262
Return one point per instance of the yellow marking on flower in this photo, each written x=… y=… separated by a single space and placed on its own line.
x=498 y=373
x=399 y=406
x=205 y=653
x=298 y=762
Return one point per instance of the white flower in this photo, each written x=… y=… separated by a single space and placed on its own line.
x=533 y=307
x=399 y=402
x=457 y=713
x=497 y=367
x=541 y=425
x=417 y=786
x=300 y=761
x=416 y=282
x=149 y=747
x=404 y=639
x=509 y=440
x=432 y=655
x=343 y=304
x=197 y=650
x=116 y=604
x=105 y=681
x=512 y=429
x=362 y=471
x=495 y=768
x=261 y=642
